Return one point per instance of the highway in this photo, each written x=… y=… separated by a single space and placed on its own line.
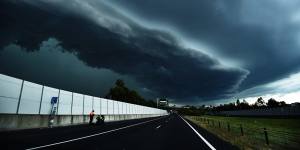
x=167 y=132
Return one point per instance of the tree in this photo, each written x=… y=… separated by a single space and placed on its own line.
x=244 y=105
x=260 y=102
x=238 y=102
x=120 y=83
x=282 y=103
x=272 y=103
x=121 y=93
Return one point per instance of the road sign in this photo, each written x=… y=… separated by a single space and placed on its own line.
x=54 y=100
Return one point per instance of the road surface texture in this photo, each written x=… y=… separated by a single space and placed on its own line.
x=170 y=132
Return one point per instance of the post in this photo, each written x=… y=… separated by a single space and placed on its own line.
x=242 y=131
x=93 y=103
x=83 y=106
x=113 y=109
x=19 y=100
x=266 y=136
x=83 y=109
x=107 y=107
x=41 y=100
x=72 y=119
x=208 y=121
x=228 y=126
x=100 y=105
x=58 y=100
x=219 y=124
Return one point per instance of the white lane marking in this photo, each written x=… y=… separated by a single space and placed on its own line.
x=84 y=137
x=202 y=138
x=158 y=126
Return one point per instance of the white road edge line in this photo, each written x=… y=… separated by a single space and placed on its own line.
x=84 y=137
x=202 y=138
x=158 y=126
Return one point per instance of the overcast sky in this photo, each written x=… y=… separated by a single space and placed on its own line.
x=195 y=52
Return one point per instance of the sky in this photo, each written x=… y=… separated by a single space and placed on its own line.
x=195 y=52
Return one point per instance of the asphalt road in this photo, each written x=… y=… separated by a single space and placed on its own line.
x=169 y=132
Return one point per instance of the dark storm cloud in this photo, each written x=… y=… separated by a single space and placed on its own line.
x=53 y=66
x=261 y=36
x=152 y=57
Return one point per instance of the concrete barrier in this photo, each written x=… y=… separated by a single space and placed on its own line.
x=26 y=121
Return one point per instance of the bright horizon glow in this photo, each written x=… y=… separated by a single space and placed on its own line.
x=287 y=89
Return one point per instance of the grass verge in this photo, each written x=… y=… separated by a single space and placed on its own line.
x=249 y=133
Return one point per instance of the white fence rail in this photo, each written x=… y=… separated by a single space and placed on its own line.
x=22 y=97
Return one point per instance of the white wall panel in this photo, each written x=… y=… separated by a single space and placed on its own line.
x=77 y=108
x=97 y=105
x=116 y=107
x=133 y=109
x=9 y=93
x=144 y=110
x=30 y=98
x=126 y=108
x=129 y=108
x=103 y=106
x=121 y=108
x=88 y=104
x=110 y=107
x=65 y=102
x=140 y=109
x=137 y=109
x=48 y=93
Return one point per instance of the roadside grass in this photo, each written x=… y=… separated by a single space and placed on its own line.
x=282 y=133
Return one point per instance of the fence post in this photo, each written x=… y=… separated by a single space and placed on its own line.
x=266 y=136
x=208 y=121
x=242 y=131
x=228 y=126
x=213 y=123
x=219 y=124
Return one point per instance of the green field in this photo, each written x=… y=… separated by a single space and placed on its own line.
x=249 y=133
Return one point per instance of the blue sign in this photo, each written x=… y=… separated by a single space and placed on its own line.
x=54 y=100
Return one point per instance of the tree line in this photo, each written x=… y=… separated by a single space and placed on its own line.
x=241 y=105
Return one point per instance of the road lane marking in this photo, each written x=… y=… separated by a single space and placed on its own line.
x=202 y=138
x=158 y=126
x=92 y=135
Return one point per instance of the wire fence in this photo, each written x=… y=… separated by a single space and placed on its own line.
x=253 y=136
